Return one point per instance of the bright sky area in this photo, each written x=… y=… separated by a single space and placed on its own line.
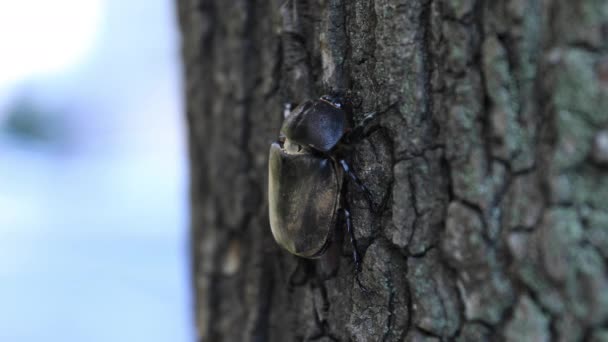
x=93 y=218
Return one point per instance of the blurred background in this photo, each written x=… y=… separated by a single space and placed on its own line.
x=93 y=173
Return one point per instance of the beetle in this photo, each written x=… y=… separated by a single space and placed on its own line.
x=306 y=173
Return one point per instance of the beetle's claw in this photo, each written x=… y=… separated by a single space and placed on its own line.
x=358 y=269
x=364 y=289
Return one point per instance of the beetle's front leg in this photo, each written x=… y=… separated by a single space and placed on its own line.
x=360 y=130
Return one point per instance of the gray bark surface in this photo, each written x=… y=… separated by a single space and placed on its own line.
x=491 y=152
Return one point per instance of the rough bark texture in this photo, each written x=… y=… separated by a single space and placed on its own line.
x=491 y=151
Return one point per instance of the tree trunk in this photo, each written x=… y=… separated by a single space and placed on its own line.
x=490 y=150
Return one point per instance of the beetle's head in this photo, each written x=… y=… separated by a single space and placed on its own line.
x=343 y=101
x=316 y=125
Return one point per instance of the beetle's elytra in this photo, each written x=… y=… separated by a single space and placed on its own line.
x=306 y=178
x=304 y=200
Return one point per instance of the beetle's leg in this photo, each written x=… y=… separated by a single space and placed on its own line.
x=359 y=184
x=359 y=131
x=353 y=240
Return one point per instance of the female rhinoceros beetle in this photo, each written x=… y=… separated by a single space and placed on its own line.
x=306 y=178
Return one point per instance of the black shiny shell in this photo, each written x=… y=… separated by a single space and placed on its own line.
x=303 y=196
x=317 y=124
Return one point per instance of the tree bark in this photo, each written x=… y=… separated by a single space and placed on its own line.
x=490 y=150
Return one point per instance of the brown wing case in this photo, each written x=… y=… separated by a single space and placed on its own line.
x=303 y=196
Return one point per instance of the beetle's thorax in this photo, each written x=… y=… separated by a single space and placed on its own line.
x=316 y=124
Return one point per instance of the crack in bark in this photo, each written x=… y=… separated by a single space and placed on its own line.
x=421 y=254
x=484 y=118
x=410 y=304
x=390 y=306
x=427 y=60
x=413 y=200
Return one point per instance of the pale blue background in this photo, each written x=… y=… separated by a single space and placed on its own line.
x=93 y=220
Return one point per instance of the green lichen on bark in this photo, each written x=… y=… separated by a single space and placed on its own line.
x=527 y=324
